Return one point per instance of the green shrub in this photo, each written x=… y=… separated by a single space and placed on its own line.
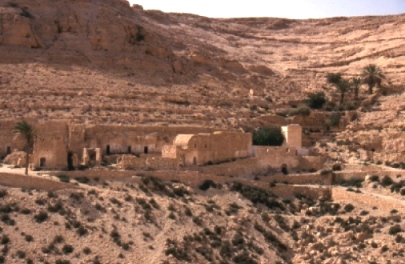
x=395 y=229
x=63 y=178
x=302 y=110
x=348 y=208
x=41 y=217
x=334 y=119
x=268 y=136
x=316 y=100
x=207 y=184
x=386 y=181
x=374 y=178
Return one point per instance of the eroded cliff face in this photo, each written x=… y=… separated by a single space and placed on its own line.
x=103 y=33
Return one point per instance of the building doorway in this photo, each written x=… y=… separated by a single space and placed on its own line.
x=145 y=150
x=129 y=150
x=107 y=150
x=284 y=169
x=8 y=150
x=194 y=161
x=70 y=161
x=42 y=162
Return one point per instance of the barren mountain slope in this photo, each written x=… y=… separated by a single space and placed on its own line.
x=105 y=62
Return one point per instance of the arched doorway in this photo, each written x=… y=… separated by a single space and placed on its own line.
x=145 y=150
x=129 y=150
x=42 y=162
x=107 y=150
x=70 y=161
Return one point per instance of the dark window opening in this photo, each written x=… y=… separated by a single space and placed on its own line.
x=129 y=150
x=70 y=161
x=284 y=169
x=107 y=150
x=145 y=150
x=8 y=150
x=42 y=162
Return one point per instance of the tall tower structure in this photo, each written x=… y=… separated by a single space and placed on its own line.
x=293 y=135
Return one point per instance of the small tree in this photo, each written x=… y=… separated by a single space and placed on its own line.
x=24 y=131
x=372 y=75
x=355 y=84
x=316 y=100
x=268 y=136
x=339 y=83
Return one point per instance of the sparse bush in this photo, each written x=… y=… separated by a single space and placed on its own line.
x=348 y=208
x=207 y=184
x=268 y=136
x=83 y=179
x=4 y=240
x=29 y=238
x=63 y=178
x=395 y=229
x=316 y=100
x=86 y=250
x=3 y=193
x=41 y=217
x=386 y=181
x=334 y=119
x=21 y=254
x=374 y=178
x=67 y=249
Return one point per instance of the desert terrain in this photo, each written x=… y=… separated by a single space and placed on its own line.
x=108 y=63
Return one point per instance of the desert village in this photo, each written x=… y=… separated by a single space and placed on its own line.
x=60 y=146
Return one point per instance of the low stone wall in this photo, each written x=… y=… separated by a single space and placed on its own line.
x=345 y=175
x=129 y=162
x=194 y=179
x=370 y=200
x=310 y=178
x=33 y=182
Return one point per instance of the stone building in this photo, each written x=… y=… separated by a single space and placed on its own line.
x=209 y=148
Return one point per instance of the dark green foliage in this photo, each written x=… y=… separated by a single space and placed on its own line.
x=397 y=186
x=244 y=258
x=63 y=178
x=62 y=261
x=83 y=180
x=180 y=253
x=41 y=217
x=67 y=249
x=268 y=136
x=21 y=254
x=86 y=250
x=25 y=13
x=395 y=229
x=353 y=182
x=257 y=195
x=386 y=181
x=3 y=193
x=207 y=184
x=348 y=208
x=334 y=119
x=4 y=240
x=271 y=238
x=374 y=178
x=316 y=100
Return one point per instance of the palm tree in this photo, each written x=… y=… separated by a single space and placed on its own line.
x=334 y=78
x=372 y=75
x=24 y=131
x=341 y=84
x=355 y=84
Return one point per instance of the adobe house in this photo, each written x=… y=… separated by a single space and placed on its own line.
x=209 y=148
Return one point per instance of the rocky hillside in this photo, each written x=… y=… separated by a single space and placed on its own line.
x=106 y=62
